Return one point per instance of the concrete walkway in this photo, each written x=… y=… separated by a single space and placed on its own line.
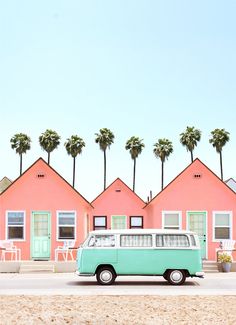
x=71 y=284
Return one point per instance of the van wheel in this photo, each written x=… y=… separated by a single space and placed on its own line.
x=176 y=277
x=106 y=275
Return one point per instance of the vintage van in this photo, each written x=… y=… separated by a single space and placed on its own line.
x=173 y=254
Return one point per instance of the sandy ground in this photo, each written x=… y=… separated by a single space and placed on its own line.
x=117 y=310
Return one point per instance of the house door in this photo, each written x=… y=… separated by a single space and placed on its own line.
x=40 y=235
x=197 y=223
x=118 y=222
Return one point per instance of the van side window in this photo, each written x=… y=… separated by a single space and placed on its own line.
x=159 y=241
x=193 y=241
x=136 y=240
x=172 y=241
x=102 y=241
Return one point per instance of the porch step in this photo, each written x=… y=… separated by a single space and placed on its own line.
x=210 y=267
x=37 y=266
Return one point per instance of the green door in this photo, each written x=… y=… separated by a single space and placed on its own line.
x=118 y=222
x=197 y=223
x=40 y=235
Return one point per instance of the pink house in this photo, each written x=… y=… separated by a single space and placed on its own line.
x=40 y=210
x=118 y=207
x=196 y=200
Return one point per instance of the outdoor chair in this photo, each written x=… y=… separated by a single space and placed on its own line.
x=66 y=250
x=8 y=247
x=226 y=246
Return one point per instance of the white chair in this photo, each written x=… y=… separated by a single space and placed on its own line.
x=66 y=250
x=8 y=247
x=226 y=246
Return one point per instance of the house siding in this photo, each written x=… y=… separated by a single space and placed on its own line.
x=45 y=194
x=186 y=193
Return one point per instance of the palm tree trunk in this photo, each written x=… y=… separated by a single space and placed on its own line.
x=134 y=172
x=162 y=175
x=20 y=163
x=48 y=158
x=105 y=169
x=73 y=171
x=221 y=166
x=191 y=155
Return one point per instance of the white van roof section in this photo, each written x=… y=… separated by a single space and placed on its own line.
x=141 y=231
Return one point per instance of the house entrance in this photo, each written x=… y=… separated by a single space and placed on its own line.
x=197 y=223
x=40 y=235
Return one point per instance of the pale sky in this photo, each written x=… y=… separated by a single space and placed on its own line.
x=146 y=68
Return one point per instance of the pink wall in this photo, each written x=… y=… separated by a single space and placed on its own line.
x=50 y=193
x=187 y=193
x=118 y=199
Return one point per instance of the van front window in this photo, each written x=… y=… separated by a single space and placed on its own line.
x=102 y=241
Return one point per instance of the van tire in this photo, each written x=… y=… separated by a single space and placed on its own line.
x=176 y=277
x=105 y=275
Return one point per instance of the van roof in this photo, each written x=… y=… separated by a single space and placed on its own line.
x=141 y=231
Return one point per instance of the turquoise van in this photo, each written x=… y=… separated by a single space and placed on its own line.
x=173 y=254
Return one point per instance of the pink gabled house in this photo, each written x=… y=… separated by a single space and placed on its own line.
x=40 y=210
x=118 y=207
x=197 y=200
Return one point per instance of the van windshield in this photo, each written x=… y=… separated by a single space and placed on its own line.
x=85 y=242
x=102 y=241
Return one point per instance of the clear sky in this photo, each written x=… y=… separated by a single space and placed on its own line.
x=147 y=68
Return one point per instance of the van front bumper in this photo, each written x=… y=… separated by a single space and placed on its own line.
x=200 y=274
x=83 y=274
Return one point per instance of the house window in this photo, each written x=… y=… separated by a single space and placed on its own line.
x=222 y=225
x=136 y=222
x=15 y=225
x=99 y=222
x=66 y=225
x=171 y=220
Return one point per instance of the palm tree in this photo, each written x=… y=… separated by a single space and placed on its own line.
x=219 y=138
x=190 y=138
x=105 y=138
x=20 y=142
x=49 y=140
x=135 y=147
x=74 y=146
x=163 y=148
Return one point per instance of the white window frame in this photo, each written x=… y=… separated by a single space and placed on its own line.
x=24 y=225
x=230 y=225
x=171 y=212
x=75 y=225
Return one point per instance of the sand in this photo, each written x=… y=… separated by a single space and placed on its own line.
x=117 y=310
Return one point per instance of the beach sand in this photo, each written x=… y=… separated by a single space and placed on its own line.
x=117 y=310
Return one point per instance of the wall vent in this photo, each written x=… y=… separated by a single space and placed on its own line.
x=197 y=176
x=40 y=175
x=118 y=190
